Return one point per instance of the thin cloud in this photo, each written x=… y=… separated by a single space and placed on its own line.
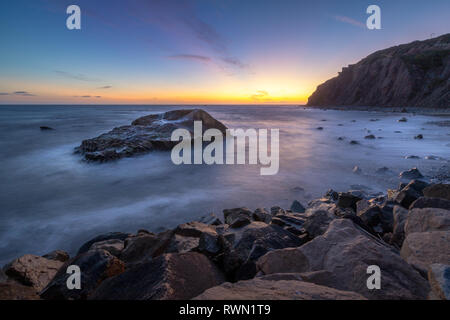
x=261 y=95
x=76 y=76
x=235 y=62
x=87 y=97
x=23 y=93
x=4 y=94
x=351 y=21
x=192 y=57
x=105 y=87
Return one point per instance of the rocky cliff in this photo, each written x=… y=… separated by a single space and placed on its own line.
x=409 y=75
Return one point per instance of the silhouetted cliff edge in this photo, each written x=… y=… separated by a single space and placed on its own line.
x=408 y=75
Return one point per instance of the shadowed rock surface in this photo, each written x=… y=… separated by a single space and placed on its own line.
x=412 y=75
x=145 y=134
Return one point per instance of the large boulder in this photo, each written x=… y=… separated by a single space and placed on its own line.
x=168 y=277
x=261 y=289
x=425 y=202
x=95 y=267
x=346 y=251
x=107 y=236
x=12 y=290
x=232 y=215
x=152 y=132
x=398 y=234
x=34 y=271
x=59 y=255
x=438 y=191
x=242 y=247
x=411 y=192
x=427 y=219
x=422 y=249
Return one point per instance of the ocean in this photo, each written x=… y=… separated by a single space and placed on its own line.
x=51 y=199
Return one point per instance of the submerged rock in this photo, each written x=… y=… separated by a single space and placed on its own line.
x=149 y=133
x=413 y=173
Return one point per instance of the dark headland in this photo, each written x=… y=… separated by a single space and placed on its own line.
x=414 y=75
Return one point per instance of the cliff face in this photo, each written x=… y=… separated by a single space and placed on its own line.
x=409 y=75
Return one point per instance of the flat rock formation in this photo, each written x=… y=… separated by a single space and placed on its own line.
x=321 y=253
x=145 y=134
x=410 y=75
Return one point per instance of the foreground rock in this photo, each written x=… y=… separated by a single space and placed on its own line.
x=152 y=132
x=34 y=271
x=439 y=277
x=416 y=73
x=168 y=277
x=261 y=289
x=346 y=251
x=95 y=266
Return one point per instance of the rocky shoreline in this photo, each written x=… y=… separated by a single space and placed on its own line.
x=317 y=251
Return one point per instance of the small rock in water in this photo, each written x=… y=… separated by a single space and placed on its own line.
x=397 y=132
x=354 y=142
x=431 y=157
x=402 y=120
x=412 y=157
x=341 y=138
x=340 y=125
x=45 y=128
x=370 y=136
x=419 y=137
x=413 y=173
x=373 y=120
x=319 y=128
x=297 y=207
x=383 y=170
x=357 y=170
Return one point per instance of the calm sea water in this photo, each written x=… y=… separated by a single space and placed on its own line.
x=50 y=199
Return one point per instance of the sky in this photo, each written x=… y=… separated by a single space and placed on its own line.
x=195 y=51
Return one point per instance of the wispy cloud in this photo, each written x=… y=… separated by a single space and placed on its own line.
x=4 y=94
x=87 y=96
x=192 y=57
x=23 y=93
x=235 y=62
x=261 y=95
x=76 y=76
x=351 y=21
x=105 y=87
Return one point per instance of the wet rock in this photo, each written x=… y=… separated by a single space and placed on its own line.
x=332 y=195
x=143 y=246
x=179 y=276
x=261 y=289
x=398 y=235
x=413 y=173
x=439 y=277
x=412 y=157
x=425 y=202
x=370 y=136
x=113 y=246
x=107 y=236
x=346 y=251
x=319 y=128
x=347 y=200
x=231 y=214
x=402 y=120
x=45 y=128
x=438 y=191
x=410 y=193
x=383 y=170
x=244 y=246
x=194 y=229
x=12 y=290
x=356 y=170
x=317 y=222
x=58 y=255
x=146 y=134
x=95 y=266
x=276 y=210
x=419 y=137
x=31 y=270
x=362 y=205
x=262 y=215
x=211 y=219
x=240 y=222
x=297 y=207
x=379 y=220
x=354 y=142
